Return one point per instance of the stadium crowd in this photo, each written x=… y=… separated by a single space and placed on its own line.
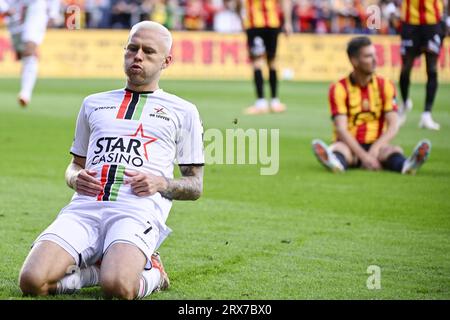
x=308 y=16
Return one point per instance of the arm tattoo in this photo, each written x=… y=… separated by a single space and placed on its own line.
x=188 y=187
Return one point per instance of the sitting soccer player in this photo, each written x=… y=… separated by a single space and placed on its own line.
x=364 y=112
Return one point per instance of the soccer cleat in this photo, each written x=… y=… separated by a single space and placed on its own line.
x=164 y=283
x=254 y=110
x=326 y=156
x=278 y=107
x=23 y=102
x=427 y=122
x=404 y=109
x=417 y=158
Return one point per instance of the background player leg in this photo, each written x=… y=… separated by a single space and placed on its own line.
x=275 y=103
x=29 y=73
x=260 y=106
x=405 y=74
x=46 y=263
x=426 y=120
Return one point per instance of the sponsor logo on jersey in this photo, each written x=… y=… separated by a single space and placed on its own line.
x=130 y=150
x=159 y=112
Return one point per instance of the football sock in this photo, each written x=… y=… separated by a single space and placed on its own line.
x=71 y=283
x=404 y=85
x=273 y=82
x=407 y=64
x=259 y=83
x=341 y=159
x=148 y=282
x=29 y=75
x=395 y=162
x=431 y=90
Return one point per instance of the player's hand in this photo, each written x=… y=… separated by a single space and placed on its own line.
x=374 y=151
x=371 y=163
x=86 y=184
x=145 y=184
x=287 y=29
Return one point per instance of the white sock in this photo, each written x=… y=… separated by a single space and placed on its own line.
x=261 y=103
x=29 y=75
x=148 y=282
x=71 y=283
x=274 y=101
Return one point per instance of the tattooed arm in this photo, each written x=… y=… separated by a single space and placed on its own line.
x=188 y=187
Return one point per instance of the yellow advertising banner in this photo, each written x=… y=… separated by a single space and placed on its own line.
x=207 y=55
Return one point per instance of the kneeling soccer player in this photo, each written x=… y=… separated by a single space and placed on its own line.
x=126 y=143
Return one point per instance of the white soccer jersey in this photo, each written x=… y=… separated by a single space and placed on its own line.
x=149 y=132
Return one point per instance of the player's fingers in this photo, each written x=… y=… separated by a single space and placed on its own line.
x=91 y=173
x=144 y=191
x=85 y=177
x=89 y=185
x=140 y=178
x=86 y=191
x=131 y=173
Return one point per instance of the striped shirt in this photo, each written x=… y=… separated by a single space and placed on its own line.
x=365 y=107
x=262 y=14
x=421 y=12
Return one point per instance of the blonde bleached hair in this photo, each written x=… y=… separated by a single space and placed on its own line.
x=164 y=33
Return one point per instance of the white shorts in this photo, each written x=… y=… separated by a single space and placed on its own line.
x=87 y=229
x=33 y=26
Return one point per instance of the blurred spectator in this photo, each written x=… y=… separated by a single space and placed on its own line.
x=227 y=19
x=124 y=13
x=98 y=13
x=308 y=16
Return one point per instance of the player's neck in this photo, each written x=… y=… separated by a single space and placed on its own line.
x=361 y=79
x=151 y=87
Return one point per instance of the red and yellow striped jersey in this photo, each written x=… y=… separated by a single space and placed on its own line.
x=419 y=12
x=365 y=107
x=262 y=14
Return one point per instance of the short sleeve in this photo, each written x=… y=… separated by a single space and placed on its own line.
x=337 y=99
x=82 y=132
x=390 y=103
x=190 y=140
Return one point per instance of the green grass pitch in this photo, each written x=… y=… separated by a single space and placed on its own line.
x=301 y=234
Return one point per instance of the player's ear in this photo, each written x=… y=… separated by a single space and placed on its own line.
x=167 y=62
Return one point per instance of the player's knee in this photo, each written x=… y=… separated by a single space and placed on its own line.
x=342 y=148
x=119 y=287
x=32 y=283
x=387 y=151
x=29 y=50
x=432 y=73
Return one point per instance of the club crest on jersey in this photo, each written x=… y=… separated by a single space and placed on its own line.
x=159 y=112
x=130 y=149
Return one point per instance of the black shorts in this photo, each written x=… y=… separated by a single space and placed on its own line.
x=262 y=41
x=417 y=39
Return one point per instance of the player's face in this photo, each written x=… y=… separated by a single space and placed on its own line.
x=366 y=61
x=145 y=57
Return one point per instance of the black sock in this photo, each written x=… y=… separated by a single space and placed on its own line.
x=394 y=162
x=404 y=85
x=341 y=159
x=273 y=82
x=431 y=90
x=259 y=83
